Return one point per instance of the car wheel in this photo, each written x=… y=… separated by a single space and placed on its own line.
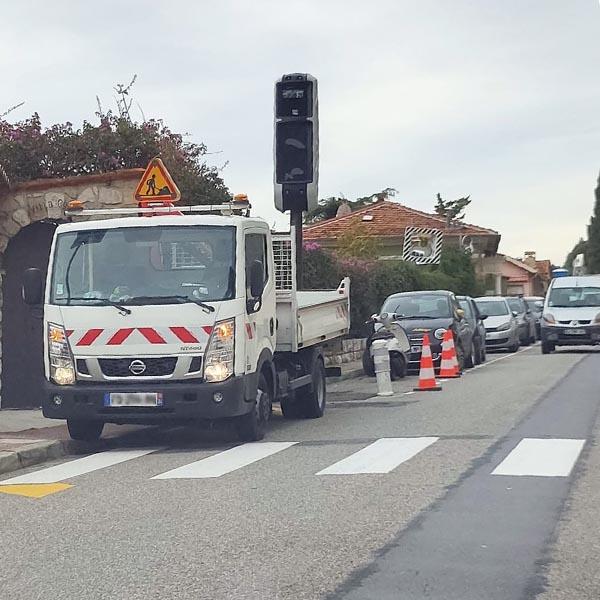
x=252 y=426
x=547 y=347
x=397 y=366
x=85 y=431
x=514 y=347
x=471 y=358
x=367 y=363
x=460 y=357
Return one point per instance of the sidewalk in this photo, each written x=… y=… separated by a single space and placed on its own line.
x=28 y=438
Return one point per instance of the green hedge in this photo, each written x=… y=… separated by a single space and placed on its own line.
x=373 y=281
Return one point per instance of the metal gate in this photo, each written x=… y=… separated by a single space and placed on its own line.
x=22 y=342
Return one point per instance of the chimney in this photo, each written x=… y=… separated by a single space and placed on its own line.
x=530 y=258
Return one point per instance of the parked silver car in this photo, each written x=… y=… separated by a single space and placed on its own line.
x=525 y=319
x=501 y=328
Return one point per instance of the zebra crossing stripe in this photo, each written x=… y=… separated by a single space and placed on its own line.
x=227 y=461
x=541 y=458
x=79 y=466
x=382 y=456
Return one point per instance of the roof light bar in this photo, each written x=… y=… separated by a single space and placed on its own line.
x=226 y=209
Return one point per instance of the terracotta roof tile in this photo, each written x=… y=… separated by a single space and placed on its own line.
x=390 y=219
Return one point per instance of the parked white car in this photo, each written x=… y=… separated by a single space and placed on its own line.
x=501 y=327
x=571 y=313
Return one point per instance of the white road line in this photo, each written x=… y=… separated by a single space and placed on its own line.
x=380 y=457
x=79 y=466
x=226 y=462
x=494 y=360
x=541 y=458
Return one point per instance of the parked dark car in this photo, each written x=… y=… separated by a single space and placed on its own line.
x=525 y=319
x=431 y=312
x=475 y=319
x=536 y=306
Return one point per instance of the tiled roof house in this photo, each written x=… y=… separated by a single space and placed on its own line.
x=388 y=220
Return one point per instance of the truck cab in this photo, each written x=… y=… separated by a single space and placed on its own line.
x=177 y=319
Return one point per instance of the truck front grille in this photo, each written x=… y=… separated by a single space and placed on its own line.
x=155 y=367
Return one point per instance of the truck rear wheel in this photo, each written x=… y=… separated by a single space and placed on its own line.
x=312 y=398
x=252 y=426
x=85 y=431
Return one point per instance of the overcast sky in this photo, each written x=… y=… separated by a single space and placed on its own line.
x=494 y=98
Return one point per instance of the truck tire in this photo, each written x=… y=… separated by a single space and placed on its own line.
x=313 y=398
x=547 y=347
x=252 y=426
x=367 y=362
x=290 y=407
x=85 y=431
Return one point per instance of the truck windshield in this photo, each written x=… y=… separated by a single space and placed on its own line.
x=144 y=265
x=569 y=297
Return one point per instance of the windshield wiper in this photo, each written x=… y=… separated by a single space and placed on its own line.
x=102 y=302
x=166 y=299
x=401 y=317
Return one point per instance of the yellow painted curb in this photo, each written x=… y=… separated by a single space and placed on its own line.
x=34 y=490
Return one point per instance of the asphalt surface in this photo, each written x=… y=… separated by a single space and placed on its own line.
x=276 y=529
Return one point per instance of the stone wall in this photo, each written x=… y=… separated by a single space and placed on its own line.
x=47 y=199
x=43 y=199
x=340 y=352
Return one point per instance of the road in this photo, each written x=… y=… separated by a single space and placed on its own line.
x=487 y=489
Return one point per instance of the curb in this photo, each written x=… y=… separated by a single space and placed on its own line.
x=32 y=454
x=350 y=374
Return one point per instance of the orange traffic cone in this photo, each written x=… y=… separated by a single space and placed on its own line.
x=427 y=382
x=449 y=363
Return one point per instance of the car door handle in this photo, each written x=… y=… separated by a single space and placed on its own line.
x=271 y=326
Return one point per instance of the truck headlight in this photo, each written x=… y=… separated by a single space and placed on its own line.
x=439 y=333
x=218 y=360
x=549 y=319
x=62 y=369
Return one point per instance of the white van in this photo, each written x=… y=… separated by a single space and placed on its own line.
x=571 y=313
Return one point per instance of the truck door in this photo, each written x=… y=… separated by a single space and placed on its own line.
x=260 y=319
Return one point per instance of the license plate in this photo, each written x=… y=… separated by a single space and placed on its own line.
x=415 y=349
x=133 y=399
x=574 y=331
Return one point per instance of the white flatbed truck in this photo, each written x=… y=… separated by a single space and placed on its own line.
x=180 y=318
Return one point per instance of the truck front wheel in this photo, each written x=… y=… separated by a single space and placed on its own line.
x=252 y=426
x=85 y=431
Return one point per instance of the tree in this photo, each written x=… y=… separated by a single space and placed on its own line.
x=593 y=245
x=452 y=210
x=579 y=248
x=356 y=242
x=327 y=207
x=30 y=151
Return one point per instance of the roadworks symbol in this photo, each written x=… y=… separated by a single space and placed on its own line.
x=34 y=490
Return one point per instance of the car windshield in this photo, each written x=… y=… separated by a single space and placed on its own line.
x=416 y=305
x=570 y=297
x=492 y=308
x=144 y=265
x=466 y=306
x=516 y=305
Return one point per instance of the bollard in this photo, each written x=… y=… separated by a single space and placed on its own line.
x=381 y=360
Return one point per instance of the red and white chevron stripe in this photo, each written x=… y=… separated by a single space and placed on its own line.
x=129 y=336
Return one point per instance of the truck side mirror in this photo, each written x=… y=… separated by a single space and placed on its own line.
x=33 y=287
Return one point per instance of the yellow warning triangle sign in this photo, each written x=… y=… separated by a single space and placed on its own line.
x=157 y=184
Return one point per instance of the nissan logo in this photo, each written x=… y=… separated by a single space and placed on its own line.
x=137 y=367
